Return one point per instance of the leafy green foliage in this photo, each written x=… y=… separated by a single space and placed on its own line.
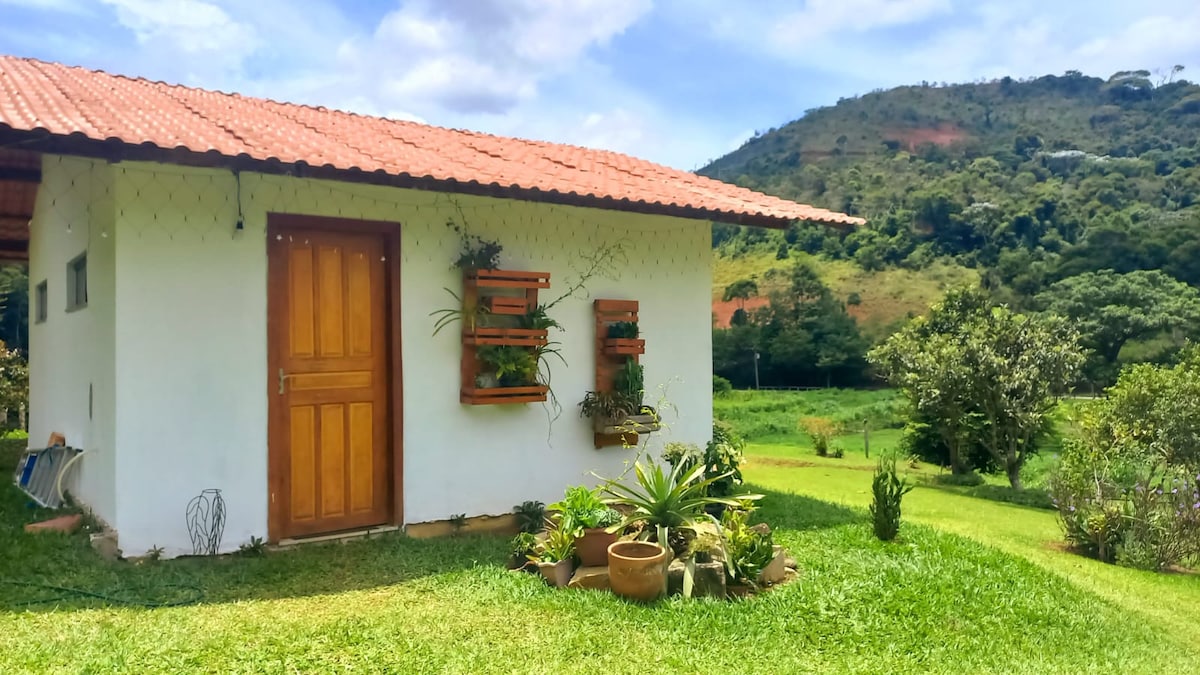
x=1110 y=309
x=558 y=545
x=629 y=383
x=747 y=551
x=1128 y=490
x=821 y=432
x=475 y=253
x=741 y=290
x=1029 y=182
x=605 y=405
x=514 y=366
x=623 y=329
x=721 y=460
x=14 y=381
x=802 y=336
x=581 y=508
x=662 y=500
x=538 y=319
x=523 y=546
x=983 y=374
x=887 y=491
x=721 y=386
x=531 y=515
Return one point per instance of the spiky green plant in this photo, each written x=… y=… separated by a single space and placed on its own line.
x=664 y=500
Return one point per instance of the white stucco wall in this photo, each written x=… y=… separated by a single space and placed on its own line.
x=191 y=345
x=71 y=353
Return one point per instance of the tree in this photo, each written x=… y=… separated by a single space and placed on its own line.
x=923 y=360
x=1110 y=309
x=1019 y=365
x=982 y=374
x=14 y=381
x=741 y=290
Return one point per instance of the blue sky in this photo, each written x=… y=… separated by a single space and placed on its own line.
x=675 y=81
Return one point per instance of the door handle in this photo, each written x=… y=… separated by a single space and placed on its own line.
x=282 y=379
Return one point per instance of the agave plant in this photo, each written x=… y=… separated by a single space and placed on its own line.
x=667 y=499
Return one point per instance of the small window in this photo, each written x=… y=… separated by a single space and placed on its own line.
x=41 y=297
x=77 y=283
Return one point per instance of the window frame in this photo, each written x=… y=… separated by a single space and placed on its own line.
x=73 y=281
x=41 y=301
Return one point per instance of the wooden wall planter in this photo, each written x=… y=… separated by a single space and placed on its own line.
x=507 y=295
x=632 y=425
x=624 y=346
x=611 y=355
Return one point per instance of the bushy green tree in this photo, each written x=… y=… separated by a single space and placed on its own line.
x=1110 y=309
x=982 y=374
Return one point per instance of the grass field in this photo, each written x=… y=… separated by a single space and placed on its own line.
x=887 y=296
x=973 y=586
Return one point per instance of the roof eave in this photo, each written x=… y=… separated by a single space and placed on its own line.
x=115 y=150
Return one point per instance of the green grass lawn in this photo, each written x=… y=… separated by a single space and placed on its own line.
x=999 y=599
x=1169 y=604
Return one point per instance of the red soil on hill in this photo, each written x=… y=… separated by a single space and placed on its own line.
x=942 y=134
x=723 y=311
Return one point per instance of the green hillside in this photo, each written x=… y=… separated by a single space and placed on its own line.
x=1017 y=184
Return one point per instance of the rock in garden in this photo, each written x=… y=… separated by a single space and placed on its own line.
x=593 y=578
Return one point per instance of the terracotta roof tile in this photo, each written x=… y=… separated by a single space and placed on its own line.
x=66 y=101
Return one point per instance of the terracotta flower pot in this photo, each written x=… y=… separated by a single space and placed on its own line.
x=592 y=547
x=637 y=570
x=557 y=573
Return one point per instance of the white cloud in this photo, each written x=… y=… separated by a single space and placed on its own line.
x=821 y=19
x=483 y=56
x=193 y=40
x=71 y=6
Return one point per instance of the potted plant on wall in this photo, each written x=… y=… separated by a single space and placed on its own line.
x=621 y=410
x=622 y=339
x=582 y=511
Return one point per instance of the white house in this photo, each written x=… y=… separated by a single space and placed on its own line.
x=235 y=293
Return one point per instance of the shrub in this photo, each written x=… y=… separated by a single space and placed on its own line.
x=722 y=459
x=721 y=386
x=970 y=479
x=1128 y=489
x=821 y=431
x=887 y=490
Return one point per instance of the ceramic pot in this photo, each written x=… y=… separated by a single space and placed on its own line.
x=558 y=574
x=637 y=570
x=592 y=547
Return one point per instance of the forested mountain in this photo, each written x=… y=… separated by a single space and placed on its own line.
x=1029 y=184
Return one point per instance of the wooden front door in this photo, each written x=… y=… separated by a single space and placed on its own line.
x=330 y=429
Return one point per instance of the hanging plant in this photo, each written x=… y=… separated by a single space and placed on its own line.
x=476 y=252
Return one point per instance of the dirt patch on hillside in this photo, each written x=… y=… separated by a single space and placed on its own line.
x=723 y=311
x=911 y=139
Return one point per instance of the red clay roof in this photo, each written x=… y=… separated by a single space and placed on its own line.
x=76 y=103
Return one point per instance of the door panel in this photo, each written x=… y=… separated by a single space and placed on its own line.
x=330 y=456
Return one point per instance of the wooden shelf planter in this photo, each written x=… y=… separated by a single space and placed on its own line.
x=499 y=395
x=631 y=425
x=506 y=295
x=611 y=356
x=624 y=346
x=512 y=337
